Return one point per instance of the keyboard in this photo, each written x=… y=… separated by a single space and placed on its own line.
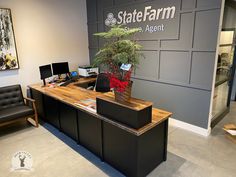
x=65 y=83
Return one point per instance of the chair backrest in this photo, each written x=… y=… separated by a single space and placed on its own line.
x=102 y=83
x=11 y=96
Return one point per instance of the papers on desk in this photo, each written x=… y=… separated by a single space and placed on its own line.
x=89 y=104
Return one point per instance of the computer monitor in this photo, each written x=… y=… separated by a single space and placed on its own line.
x=60 y=68
x=45 y=72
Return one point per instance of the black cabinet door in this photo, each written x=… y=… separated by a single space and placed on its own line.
x=51 y=111
x=135 y=156
x=90 y=132
x=120 y=149
x=68 y=121
x=38 y=97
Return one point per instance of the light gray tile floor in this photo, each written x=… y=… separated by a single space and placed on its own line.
x=189 y=154
x=213 y=156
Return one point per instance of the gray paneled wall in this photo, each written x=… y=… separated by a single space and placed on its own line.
x=176 y=75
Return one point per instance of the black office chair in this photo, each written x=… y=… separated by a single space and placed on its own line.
x=102 y=83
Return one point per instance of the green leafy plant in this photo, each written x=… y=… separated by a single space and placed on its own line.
x=120 y=48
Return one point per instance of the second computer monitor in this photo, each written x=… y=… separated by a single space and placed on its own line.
x=45 y=71
x=60 y=68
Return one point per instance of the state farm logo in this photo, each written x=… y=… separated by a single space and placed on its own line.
x=148 y=14
x=111 y=20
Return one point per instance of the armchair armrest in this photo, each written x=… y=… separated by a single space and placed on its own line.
x=32 y=102
x=34 y=108
x=29 y=99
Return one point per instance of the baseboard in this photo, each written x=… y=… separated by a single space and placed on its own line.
x=189 y=127
x=215 y=120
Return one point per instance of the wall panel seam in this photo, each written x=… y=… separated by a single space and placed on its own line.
x=169 y=83
x=191 y=65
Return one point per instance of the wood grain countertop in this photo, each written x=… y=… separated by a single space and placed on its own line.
x=72 y=94
x=134 y=103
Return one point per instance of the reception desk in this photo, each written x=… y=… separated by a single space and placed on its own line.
x=134 y=152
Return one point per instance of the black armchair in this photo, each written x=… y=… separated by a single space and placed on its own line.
x=13 y=106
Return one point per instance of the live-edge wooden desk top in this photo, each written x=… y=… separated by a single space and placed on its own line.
x=72 y=94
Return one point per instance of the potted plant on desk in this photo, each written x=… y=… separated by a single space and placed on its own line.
x=119 y=56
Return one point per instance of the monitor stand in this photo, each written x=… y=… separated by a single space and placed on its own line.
x=44 y=82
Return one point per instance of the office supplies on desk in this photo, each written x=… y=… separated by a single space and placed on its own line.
x=74 y=75
x=89 y=104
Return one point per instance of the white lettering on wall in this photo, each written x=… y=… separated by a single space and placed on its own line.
x=148 y=14
x=120 y=17
x=139 y=16
x=168 y=12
